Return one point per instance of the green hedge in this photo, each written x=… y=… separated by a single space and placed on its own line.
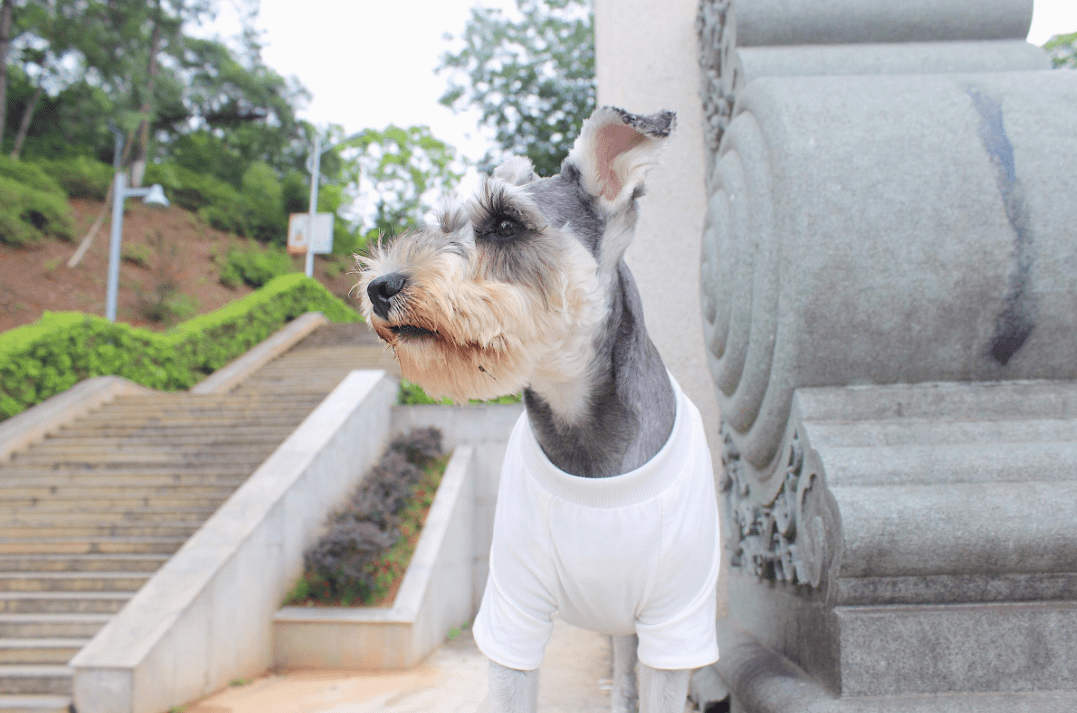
x=62 y=348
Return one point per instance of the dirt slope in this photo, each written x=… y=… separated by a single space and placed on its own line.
x=168 y=247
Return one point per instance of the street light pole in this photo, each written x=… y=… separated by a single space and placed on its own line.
x=314 y=169
x=153 y=195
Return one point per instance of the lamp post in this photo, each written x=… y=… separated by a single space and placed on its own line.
x=155 y=196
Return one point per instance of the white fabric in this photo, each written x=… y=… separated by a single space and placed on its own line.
x=636 y=553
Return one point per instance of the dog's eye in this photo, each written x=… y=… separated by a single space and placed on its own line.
x=506 y=228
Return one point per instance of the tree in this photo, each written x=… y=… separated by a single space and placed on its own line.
x=532 y=76
x=400 y=171
x=1063 y=50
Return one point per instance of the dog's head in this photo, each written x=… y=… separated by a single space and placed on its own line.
x=511 y=288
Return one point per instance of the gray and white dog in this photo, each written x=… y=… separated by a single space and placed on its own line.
x=524 y=287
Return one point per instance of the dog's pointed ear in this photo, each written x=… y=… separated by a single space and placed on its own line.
x=615 y=149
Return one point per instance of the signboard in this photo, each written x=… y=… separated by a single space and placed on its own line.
x=299 y=235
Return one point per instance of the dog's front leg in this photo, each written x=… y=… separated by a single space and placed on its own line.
x=663 y=691
x=623 y=698
x=513 y=691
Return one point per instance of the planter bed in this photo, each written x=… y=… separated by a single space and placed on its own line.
x=434 y=596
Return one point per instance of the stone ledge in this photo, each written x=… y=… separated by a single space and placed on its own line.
x=763 y=681
x=435 y=595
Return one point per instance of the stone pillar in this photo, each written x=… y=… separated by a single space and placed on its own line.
x=889 y=296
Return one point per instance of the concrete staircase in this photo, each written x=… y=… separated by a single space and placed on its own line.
x=88 y=514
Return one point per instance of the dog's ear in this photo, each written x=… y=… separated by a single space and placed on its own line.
x=615 y=149
x=517 y=170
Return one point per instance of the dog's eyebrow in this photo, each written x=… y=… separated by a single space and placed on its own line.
x=497 y=199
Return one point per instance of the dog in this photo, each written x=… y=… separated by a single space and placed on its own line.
x=606 y=510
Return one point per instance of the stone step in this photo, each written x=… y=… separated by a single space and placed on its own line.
x=51 y=625
x=63 y=602
x=72 y=470
x=35 y=704
x=133 y=477
x=91 y=491
x=170 y=438
x=45 y=515
x=108 y=529
x=39 y=651
x=65 y=499
x=40 y=679
x=82 y=563
x=111 y=429
x=73 y=581
x=100 y=545
x=926 y=432
x=268 y=407
x=248 y=457
x=171 y=443
x=943 y=464
x=981 y=401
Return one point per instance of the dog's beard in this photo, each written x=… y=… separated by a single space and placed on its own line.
x=462 y=372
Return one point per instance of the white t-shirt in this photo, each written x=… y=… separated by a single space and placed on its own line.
x=635 y=553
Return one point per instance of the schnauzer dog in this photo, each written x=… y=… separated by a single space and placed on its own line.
x=606 y=509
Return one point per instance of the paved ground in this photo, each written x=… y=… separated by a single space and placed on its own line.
x=575 y=679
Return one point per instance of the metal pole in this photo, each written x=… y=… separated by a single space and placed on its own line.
x=114 y=246
x=315 y=167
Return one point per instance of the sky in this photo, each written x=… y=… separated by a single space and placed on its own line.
x=369 y=64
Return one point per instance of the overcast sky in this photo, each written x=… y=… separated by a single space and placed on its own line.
x=369 y=64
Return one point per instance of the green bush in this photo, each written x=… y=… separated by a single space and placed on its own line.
x=62 y=348
x=262 y=198
x=80 y=176
x=254 y=266
x=28 y=214
x=29 y=175
x=194 y=191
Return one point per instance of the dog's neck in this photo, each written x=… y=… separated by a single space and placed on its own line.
x=629 y=405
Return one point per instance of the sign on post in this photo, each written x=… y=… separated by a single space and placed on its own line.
x=299 y=234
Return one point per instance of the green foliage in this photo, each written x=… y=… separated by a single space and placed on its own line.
x=411 y=394
x=28 y=214
x=532 y=76
x=30 y=176
x=80 y=176
x=262 y=203
x=62 y=348
x=254 y=266
x=402 y=170
x=1063 y=50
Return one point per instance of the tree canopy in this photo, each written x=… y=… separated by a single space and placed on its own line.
x=1062 y=50
x=531 y=75
x=208 y=119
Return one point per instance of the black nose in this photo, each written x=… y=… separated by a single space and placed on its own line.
x=382 y=290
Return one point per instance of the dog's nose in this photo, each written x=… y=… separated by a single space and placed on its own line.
x=383 y=289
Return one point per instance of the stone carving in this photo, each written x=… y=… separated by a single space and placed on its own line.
x=784 y=538
x=714 y=27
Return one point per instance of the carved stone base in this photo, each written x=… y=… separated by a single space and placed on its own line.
x=911 y=548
